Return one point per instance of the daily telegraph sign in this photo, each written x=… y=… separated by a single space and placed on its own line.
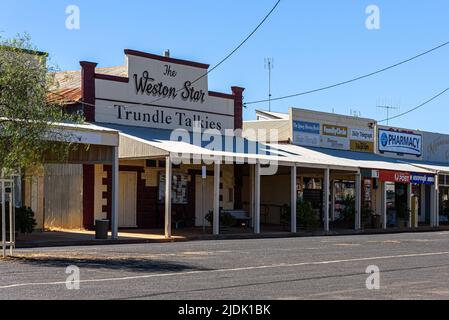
x=400 y=142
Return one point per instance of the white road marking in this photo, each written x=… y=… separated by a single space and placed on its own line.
x=280 y=265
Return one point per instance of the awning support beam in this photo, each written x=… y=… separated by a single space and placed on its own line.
x=168 y=182
x=293 y=199
x=115 y=191
x=326 y=187
x=216 y=213
x=384 y=205
x=358 y=201
x=257 y=198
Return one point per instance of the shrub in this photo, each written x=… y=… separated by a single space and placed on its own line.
x=25 y=222
x=226 y=219
x=306 y=217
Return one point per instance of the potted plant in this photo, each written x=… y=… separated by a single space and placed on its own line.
x=306 y=217
x=226 y=219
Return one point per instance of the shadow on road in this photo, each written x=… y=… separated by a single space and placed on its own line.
x=123 y=264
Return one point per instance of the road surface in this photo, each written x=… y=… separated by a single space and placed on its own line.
x=412 y=266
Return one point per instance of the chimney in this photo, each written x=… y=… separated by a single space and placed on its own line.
x=167 y=53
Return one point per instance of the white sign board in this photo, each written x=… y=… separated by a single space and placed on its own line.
x=325 y=130
x=435 y=147
x=162 y=94
x=399 y=142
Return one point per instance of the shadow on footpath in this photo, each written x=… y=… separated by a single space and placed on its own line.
x=122 y=264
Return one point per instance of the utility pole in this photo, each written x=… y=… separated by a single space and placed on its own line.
x=269 y=65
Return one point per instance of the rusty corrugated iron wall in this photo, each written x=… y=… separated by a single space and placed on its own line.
x=63 y=202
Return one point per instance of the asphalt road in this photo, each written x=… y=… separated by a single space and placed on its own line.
x=412 y=266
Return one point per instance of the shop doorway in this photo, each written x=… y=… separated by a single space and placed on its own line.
x=397 y=210
x=444 y=205
x=127 y=200
x=204 y=200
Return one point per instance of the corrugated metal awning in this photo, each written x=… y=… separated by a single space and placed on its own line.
x=354 y=159
x=144 y=143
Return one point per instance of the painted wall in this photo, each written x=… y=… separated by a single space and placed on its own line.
x=171 y=100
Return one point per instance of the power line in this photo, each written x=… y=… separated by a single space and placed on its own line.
x=210 y=70
x=417 y=107
x=233 y=51
x=351 y=80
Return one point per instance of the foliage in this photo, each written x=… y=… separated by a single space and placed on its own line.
x=366 y=213
x=27 y=118
x=306 y=217
x=25 y=222
x=347 y=214
x=226 y=219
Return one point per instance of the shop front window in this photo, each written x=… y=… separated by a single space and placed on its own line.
x=444 y=204
x=179 y=188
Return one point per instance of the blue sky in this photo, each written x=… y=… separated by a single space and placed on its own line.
x=313 y=43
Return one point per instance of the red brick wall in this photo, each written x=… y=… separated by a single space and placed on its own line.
x=238 y=107
x=88 y=89
x=150 y=213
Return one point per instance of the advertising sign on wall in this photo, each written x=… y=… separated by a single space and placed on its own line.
x=160 y=93
x=399 y=142
x=362 y=140
x=394 y=176
x=435 y=147
x=419 y=178
x=306 y=133
x=332 y=131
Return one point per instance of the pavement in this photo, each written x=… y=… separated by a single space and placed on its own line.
x=411 y=266
x=60 y=238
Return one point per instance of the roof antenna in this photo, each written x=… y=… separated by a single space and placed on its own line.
x=167 y=53
x=388 y=107
x=269 y=65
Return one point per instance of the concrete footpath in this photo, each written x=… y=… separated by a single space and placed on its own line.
x=85 y=238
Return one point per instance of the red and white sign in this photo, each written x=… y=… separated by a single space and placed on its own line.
x=394 y=176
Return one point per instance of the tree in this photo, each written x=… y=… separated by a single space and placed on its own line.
x=28 y=121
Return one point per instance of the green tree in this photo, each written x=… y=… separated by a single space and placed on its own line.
x=27 y=118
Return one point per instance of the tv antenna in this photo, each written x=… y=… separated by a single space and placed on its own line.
x=269 y=65
x=388 y=107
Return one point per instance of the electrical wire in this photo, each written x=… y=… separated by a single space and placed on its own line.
x=417 y=107
x=233 y=51
x=351 y=80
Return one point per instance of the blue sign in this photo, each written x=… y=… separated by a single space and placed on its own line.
x=421 y=178
x=307 y=127
x=400 y=142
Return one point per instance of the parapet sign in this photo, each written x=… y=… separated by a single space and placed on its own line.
x=163 y=93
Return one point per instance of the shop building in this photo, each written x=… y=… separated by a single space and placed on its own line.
x=181 y=159
x=183 y=156
x=400 y=169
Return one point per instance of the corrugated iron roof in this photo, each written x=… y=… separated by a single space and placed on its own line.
x=67 y=84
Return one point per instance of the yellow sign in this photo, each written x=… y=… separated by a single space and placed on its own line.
x=335 y=131
x=362 y=146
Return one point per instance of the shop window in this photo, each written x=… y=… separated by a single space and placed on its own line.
x=179 y=188
x=151 y=163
